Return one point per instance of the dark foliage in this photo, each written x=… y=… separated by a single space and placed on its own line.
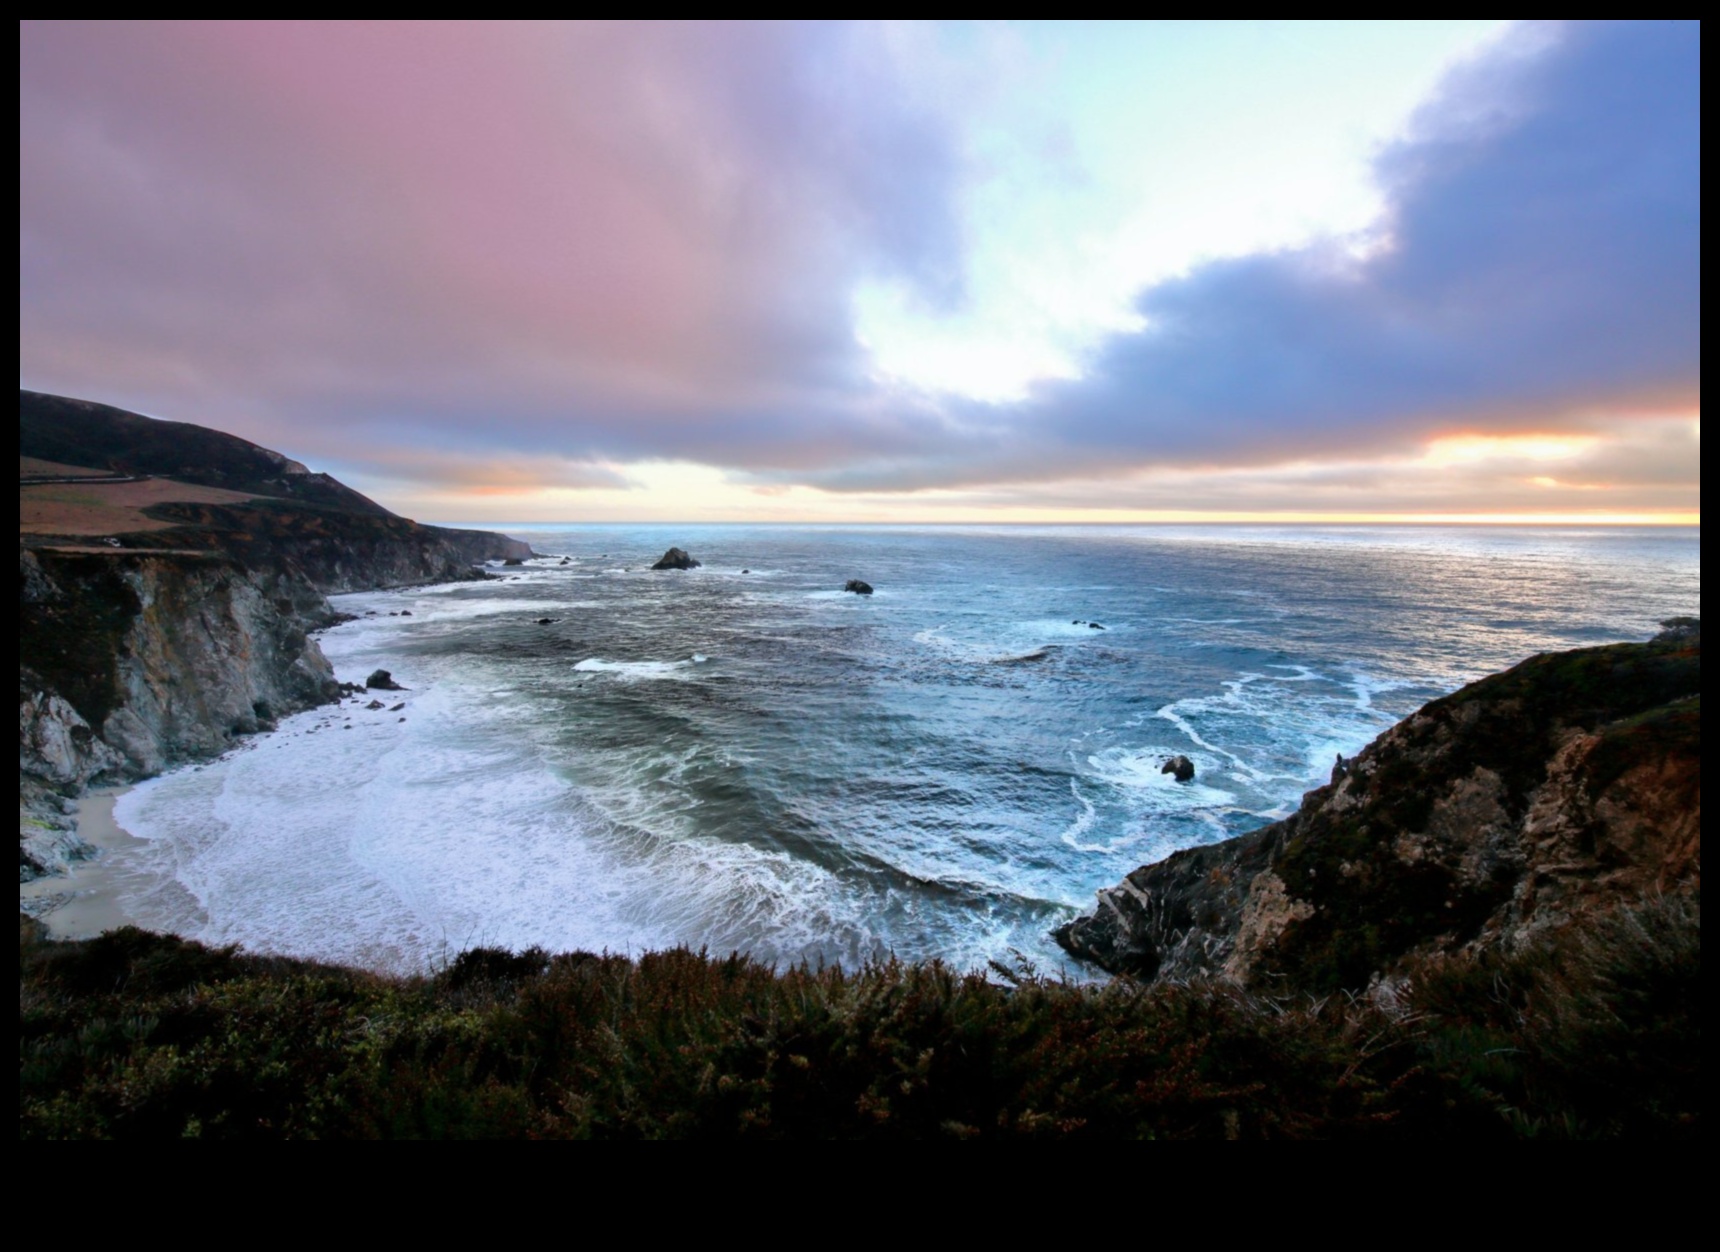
x=1372 y=906
x=71 y=641
x=1591 y=1034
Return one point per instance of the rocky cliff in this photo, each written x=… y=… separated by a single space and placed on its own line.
x=131 y=661
x=167 y=610
x=334 y=551
x=1557 y=789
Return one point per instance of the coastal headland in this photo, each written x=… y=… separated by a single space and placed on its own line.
x=171 y=578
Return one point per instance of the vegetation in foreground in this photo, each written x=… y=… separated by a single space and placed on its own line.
x=131 y=1035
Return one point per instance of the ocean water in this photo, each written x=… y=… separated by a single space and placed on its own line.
x=746 y=757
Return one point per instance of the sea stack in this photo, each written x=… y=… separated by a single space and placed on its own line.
x=677 y=558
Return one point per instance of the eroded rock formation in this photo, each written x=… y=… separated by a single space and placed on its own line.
x=134 y=660
x=1565 y=785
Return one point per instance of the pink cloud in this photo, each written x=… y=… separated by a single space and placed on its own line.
x=639 y=216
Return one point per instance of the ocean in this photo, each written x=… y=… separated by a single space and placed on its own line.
x=746 y=757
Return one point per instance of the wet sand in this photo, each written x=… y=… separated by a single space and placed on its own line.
x=85 y=901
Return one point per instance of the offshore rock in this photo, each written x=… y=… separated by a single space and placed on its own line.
x=1563 y=787
x=858 y=587
x=382 y=680
x=1180 y=768
x=676 y=558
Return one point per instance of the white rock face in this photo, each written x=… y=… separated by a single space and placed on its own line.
x=57 y=745
x=208 y=657
x=188 y=650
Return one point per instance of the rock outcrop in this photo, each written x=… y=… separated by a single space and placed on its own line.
x=677 y=558
x=1179 y=768
x=145 y=647
x=858 y=587
x=1564 y=786
x=134 y=660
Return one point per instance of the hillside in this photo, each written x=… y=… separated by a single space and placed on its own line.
x=170 y=579
x=1523 y=803
x=84 y=434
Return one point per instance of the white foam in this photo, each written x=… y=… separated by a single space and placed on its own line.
x=1142 y=770
x=396 y=844
x=636 y=671
x=1059 y=628
x=1072 y=834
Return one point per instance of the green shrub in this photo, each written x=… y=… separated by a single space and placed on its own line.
x=143 y=1036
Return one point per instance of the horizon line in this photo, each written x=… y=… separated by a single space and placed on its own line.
x=1635 y=520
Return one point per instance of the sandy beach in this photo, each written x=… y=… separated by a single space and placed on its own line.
x=85 y=901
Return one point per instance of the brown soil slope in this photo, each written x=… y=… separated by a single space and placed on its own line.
x=110 y=508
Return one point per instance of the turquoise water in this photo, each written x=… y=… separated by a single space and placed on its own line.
x=760 y=761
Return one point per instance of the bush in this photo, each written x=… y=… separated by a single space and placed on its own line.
x=138 y=1035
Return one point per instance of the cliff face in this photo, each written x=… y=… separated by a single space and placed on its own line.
x=161 y=639
x=335 y=551
x=1563 y=786
x=133 y=661
x=138 y=659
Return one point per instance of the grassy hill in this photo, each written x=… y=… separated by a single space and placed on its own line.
x=82 y=433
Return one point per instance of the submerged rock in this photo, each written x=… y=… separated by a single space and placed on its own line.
x=382 y=680
x=1180 y=767
x=677 y=558
x=858 y=587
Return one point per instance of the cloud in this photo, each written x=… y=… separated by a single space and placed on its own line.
x=599 y=234
x=1538 y=267
x=601 y=244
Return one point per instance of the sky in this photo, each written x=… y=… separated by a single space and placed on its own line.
x=888 y=272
